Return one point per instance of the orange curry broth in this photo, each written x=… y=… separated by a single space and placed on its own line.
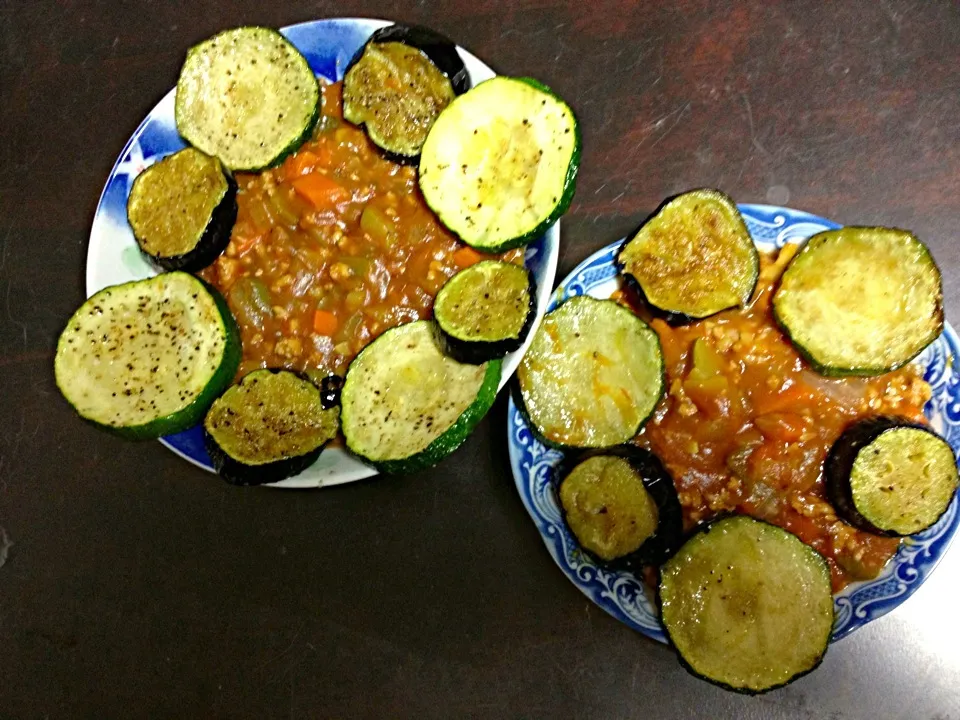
x=746 y=428
x=330 y=249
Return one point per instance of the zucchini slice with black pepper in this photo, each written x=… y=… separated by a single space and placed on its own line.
x=693 y=258
x=890 y=476
x=500 y=164
x=182 y=210
x=747 y=605
x=147 y=358
x=271 y=425
x=622 y=507
x=246 y=96
x=860 y=300
x=485 y=310
x=406 y=405
x=398 y=83
x=592 y=376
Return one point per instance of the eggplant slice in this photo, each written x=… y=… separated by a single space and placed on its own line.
x=891 y=476
x=622 y=506
x=397 y=85
x=182 y=210
x=271 y=425
x=693 y=258
x=486 y=310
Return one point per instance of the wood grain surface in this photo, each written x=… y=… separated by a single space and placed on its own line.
x=138 y=586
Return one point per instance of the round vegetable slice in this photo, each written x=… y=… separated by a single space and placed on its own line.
x=499 y=165
x=398 y=83
x=182 y=210
x=485 y=310
x=406 y=405
x=147 y=358
x=860 y=300
x=271 y=425
x=592 y=376
x=747 y=605
x=622 y=506
x=246 y=96
x=694 y=257
x=891 y=476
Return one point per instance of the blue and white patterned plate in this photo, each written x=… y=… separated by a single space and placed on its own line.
x=113 y=256
x=626 y=597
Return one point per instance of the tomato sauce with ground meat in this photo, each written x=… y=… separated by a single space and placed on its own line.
x=331 y=249
x=746 y=425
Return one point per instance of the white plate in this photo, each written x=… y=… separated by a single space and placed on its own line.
x=113 y=256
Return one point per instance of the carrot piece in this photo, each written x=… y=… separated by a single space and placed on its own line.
x=242 y=243
x=789 y=399
x=299 y=164
x=467 y=256
x=325 y=323
x=319 y=190
x=786 y=426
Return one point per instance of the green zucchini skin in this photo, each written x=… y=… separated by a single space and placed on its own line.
x=704 y=529
x=659 y=484
x=831 y=368
x=449 y=215
x=455 y=435
x=236 y=472
x=660 y=379
x=569 y=182
x=476 y=352
x=674 y=317
x=201 y=137
x=440 y=50
x=215 y=238
x=838 y=467
x=366 y=391
x=193 y=413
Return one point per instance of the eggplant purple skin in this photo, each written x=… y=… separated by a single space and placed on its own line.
x=237 y=473
x=842 y=456
x=659 y=483
x=215 y=238
x=477 y=352
x=330 y=388
x=440 y=50
x=674 y=319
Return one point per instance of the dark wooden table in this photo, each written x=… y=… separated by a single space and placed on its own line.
x=139 y=586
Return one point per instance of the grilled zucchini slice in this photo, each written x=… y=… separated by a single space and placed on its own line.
x=406 y=405
x=147 y=358
x=890 y=476
x=860 y=300
x=592 y=376
x=747 y=605
x=693 y=258
x=182 y=210
x=398 y=83
x=271 y=425
x=622 y=506
x=246 y=96
x=486 y=310
x=499 y=165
